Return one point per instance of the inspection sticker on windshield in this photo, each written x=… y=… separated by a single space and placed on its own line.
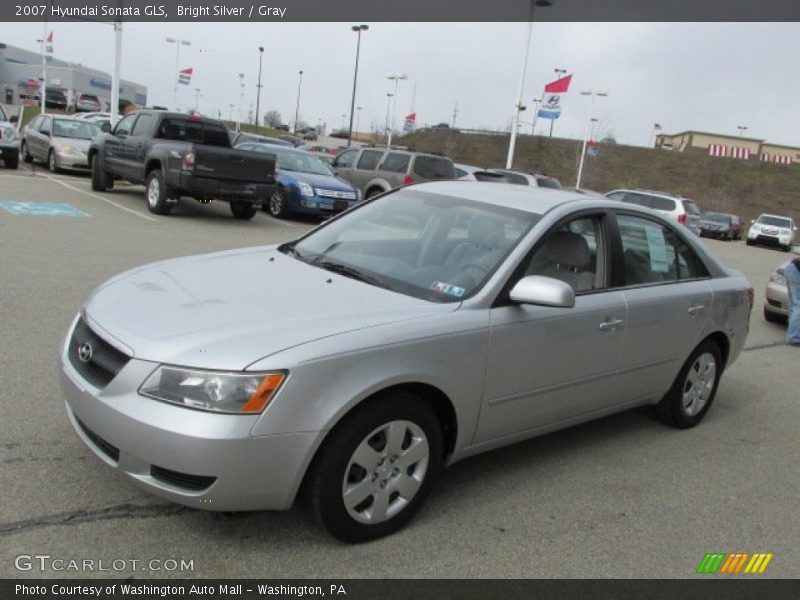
x=446 y=288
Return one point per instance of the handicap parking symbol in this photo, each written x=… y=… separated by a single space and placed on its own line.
x=42 y=209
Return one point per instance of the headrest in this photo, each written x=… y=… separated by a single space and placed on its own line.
x=567 y=248
x=486 y=232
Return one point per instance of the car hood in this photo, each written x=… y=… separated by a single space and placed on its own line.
x=228 y=310
x=78 y=144
x=327 y=182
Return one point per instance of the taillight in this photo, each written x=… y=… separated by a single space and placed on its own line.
x=751 y=297
x=682 y=218
x=187 y=164
x=407 y=180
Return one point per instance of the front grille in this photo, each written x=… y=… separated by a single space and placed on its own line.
x=336 y=194
x=108 y=449
x=765 y=239
x=96 y=360
x=194 y=483
x=774 y=303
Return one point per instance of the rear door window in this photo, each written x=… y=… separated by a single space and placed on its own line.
x=433 y=167
x=664 y=204
x=143 y=124
x=396 y=162
x=198 y=132
x=369 y=160
x=548 y=182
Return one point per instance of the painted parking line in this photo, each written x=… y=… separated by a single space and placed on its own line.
x=42 y=209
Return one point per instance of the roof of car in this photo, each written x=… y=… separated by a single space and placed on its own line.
x=536 y=200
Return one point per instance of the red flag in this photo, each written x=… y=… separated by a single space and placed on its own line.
x=50 y=38
x=559 y=86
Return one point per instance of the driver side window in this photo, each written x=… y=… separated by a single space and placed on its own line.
x=345 y=159
x=125 y=125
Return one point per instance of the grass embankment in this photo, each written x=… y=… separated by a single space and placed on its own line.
x=743 y=187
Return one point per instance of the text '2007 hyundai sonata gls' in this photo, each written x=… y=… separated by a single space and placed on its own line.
x=430 y=324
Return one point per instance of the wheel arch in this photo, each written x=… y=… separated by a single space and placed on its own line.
x=722 y=341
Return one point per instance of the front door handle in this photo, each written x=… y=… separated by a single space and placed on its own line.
x=611 y=325
x=695 y=308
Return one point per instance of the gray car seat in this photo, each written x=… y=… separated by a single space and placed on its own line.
x=566 y=256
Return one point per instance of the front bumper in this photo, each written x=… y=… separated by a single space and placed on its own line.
x=73 y=161
x=199 y=459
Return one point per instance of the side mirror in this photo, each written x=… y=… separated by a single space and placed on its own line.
x=105 y=127
x=544 y=291
x=13 y=119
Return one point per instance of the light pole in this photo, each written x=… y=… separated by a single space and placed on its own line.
x=396 y=78
x=297 y=108
x=43 y=88
x=559 y=73
x=358 y=116
x=344 y=119
x=230 y=113
x=241 y=100
x=593 y=94
x=197 y=95
x=178 y=43
x=258 y=93
x=518 y=108
x=742 y=129
x=358 y=29
x=388 y=104
x=536 y=103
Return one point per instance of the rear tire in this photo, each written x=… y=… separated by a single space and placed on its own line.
x=693 y=391
x=373 y=192
x=376 y=467
x=101 y=181
x=243 y=210
x=157 y=194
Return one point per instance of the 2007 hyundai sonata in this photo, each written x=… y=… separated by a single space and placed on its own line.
x=430 y=324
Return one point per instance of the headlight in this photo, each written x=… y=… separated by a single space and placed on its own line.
x=234 y=393
x=68 y=151
x=306 y=189
x=777 y=278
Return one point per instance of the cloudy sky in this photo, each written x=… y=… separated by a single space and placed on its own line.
x=704 y=76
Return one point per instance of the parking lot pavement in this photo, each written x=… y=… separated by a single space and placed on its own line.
x=620 y=497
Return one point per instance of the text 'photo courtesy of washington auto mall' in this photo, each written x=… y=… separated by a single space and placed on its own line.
x=354 y=293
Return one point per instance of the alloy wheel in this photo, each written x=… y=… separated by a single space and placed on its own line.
x=699 y=383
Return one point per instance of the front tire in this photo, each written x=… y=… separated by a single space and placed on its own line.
x=749 y=242
x=278 y=205
x=376 y=468
x=52 y=162
x=11 y=160
x=26 y=156
x=101 y=181
x=693 y=391
x=157 y=194
x=243 y=210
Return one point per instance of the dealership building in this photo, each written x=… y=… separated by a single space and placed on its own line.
x=730 y=146
x=21 y=71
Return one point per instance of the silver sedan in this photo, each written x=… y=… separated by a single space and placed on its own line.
x=436 y=322
x=61 y=142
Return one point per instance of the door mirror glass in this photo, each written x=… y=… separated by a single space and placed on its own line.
x=544 y=291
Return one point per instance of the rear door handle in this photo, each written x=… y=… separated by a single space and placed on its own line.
x=611 y=325
x=695 y=308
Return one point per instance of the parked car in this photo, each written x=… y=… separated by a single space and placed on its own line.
x=292 y=139
x=374 y=170
x=241 y=137
x=721 y=225
x=91 y=116
x=772 y=230
x=9 y=140
x=585 y=192
x=305 y=184
x=61 y=142
x=466 y=172
x=55 y=98
x=174 y=155
x=530 y=179
x=776 y=296
x=87 y=103
x=680 y=209
x=470 y=173
x=282 y=127
x=355 y=361
x=319 y=148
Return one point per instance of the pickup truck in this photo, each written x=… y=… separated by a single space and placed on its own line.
x=176 y=154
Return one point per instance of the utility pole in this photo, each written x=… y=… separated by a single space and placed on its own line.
x=297 y=107
x=258 y=93
x=455 y=114
x=589 y=126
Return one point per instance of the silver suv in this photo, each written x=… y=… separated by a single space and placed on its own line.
x=374 y=170
x=680 y=209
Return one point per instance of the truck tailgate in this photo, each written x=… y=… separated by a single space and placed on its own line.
x=234 y=165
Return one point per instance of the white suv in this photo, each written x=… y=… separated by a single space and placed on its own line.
x=682 y=210
x=772 y=230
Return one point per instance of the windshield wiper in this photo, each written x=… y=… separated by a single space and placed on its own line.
x=351 y=272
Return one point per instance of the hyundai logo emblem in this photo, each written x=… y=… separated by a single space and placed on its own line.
x=85 y=352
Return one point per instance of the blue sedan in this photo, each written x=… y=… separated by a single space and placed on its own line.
x=305 y=184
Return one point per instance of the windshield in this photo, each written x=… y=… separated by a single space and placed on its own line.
x=717 y=217
x=434 y=247
x=774 y=221
x=292 y=160
x=70 y=128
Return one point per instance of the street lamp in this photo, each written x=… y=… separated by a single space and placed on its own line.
x=589 y=128
x=559 y=74
x=536 y=103
x=297 y=108
x=178 y=43
x=519 y=108
x=258 y=93
x=358 y=116
x=388 y=104
x=742 y=129
x=230 y=113
x=396 y=78
x=197 y=96
x=358 y=29
x=344 y=117
x=241 y=100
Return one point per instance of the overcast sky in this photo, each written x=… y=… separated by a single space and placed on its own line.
x=709 y=77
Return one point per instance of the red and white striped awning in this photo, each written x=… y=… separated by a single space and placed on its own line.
x=717 y=150
x=743 y=153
